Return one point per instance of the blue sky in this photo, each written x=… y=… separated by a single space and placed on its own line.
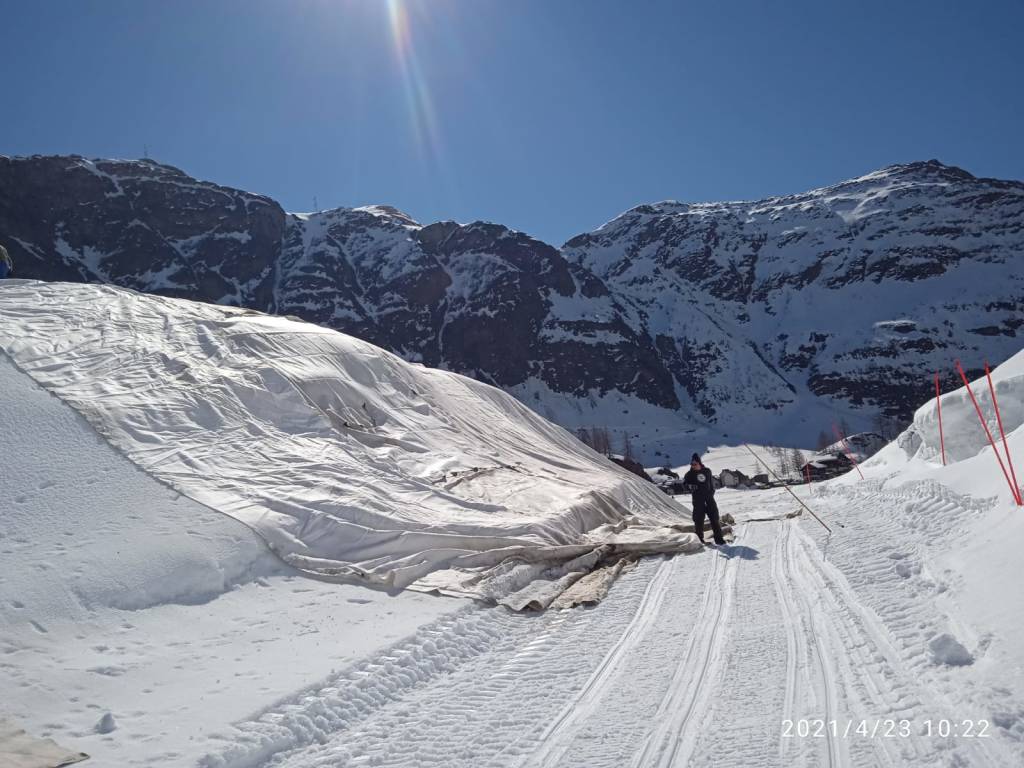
x=550 y=116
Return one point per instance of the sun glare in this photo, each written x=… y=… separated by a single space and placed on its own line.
x=417 y=90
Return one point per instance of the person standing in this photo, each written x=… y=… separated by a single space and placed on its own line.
x=6 y=265
x=699 y=482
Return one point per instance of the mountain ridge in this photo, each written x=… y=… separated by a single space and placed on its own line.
x=675 y=323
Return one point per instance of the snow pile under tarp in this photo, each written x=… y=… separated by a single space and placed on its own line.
x=348 y=461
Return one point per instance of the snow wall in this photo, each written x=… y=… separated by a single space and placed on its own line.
x=964 y=436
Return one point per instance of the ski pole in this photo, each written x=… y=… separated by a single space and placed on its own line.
x=786 y=486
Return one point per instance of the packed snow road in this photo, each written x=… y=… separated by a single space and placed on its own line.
x=786 y=648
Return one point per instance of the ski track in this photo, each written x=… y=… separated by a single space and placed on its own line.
x=696 y=668
x=559 y=735
x=464 y=691
x=796 y=640
x=691 y=661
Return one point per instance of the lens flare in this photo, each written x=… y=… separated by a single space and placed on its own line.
x=415 y=84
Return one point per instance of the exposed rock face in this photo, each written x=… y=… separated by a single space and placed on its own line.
x=676 y=323
x=854 y=293
x=479 y=299
x=141 y=225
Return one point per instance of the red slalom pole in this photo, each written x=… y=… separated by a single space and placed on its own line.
x=849 y=453
x=938 y=404
x=1002 y=434
x=981 y=418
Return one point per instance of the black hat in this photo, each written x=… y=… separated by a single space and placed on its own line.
x=695 y=457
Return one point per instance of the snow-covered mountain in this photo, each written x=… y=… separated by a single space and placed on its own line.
x=679 y=324
x=850 y=295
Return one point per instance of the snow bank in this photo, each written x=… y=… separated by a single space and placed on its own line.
x=349 y=462
x=70 y=505
x=967 y=508
x=963 y=433
x=971 y=468
x=120 y=596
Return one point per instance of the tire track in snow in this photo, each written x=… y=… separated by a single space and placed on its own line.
x=472 y=690
x=890 y=683
x=851 y=664
x=739 y=723
x=621 y=717
x=658 y=674
x=692 y=679
x=796 y=641
x=558 y=737
x=869 y=688
x=879 y=572
x=820 y=642
x=339 y=703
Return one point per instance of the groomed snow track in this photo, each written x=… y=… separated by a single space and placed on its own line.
x=689 y=662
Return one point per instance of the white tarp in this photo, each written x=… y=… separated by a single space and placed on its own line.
x=19 y=750
x=348 y=461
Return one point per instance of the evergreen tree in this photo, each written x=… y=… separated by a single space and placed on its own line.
x=627 y=447
x=796 y=458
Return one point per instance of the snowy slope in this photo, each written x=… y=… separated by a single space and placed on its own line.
x=119 y=596
x=348 y=461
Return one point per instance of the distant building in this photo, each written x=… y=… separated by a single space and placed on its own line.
x=824 y=466
x=733 y=478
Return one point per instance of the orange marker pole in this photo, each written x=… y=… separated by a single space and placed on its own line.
x=988 y=434
x=849 y=453
x=1002 y=434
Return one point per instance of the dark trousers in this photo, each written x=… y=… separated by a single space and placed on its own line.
x=706 y=506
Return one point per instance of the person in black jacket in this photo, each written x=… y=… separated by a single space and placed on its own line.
x=699 y=482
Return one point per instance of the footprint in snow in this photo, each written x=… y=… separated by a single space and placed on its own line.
x=107 y=671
